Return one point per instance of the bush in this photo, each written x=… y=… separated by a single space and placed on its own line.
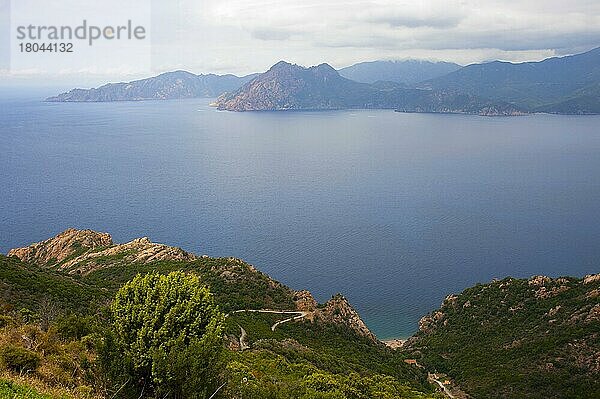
x=74 y=327
x=168 y=333
x=19 y=359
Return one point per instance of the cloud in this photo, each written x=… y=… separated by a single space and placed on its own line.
x=244 y=36
x=508 y=25
x=441 y=15
x=271 y=34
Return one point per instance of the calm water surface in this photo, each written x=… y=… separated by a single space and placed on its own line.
x=393 y=210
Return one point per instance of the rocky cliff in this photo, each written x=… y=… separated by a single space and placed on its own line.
x=64 y=245
x=82 y=251
x=339 y=311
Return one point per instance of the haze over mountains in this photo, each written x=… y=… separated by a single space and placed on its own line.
x=407 y=72
x=565 y=85
x=560 y=85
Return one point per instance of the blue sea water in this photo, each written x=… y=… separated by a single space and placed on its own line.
x=394 y=210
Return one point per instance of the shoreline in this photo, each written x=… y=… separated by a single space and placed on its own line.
x=394 y=343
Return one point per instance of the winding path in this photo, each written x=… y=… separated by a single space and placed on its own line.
x=441 y=384
x=300 y=315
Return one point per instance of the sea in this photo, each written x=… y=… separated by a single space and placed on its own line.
x=393 y=210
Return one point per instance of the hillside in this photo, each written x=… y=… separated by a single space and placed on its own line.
x=61 y=287
x=514 y=338
x=291 y=87
x=536 y=338
x=407 y=72
x=542 y=86
x=169 y=85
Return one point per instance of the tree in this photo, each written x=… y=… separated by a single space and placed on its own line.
x=168 y=332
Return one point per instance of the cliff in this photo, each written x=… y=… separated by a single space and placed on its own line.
x=62 y=246
x=83 y=251
x=339 y=311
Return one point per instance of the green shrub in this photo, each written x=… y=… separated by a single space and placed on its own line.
x=73 y=327
x=167 y=333
x=17 y=358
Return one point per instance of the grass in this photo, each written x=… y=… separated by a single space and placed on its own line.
x=19 y=387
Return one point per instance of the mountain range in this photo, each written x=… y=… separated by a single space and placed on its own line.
x=408 y=72
x=569 y=85
x=288 y=86
x=562 y=85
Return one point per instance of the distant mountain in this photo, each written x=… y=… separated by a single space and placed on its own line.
x=291 y=87
x=562 y=85
x=288 y=86
x=584 y=102
x=407 y=72
x=169 y=85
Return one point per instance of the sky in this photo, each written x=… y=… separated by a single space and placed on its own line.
x=242 y=37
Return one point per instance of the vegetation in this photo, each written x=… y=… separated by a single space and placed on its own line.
x=154 y=330
x=260 y=374
x=167 y=335
x=159 y=330
x=518 y=338
x=46 y=291
x=8 y=389
x=234 y=283
x=19 y=359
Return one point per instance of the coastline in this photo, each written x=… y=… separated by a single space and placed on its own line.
x=394 y=343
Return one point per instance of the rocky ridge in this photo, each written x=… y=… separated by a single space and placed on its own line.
x=339 y=311
x=62 y=246
x=85 y=251
x=82 y=251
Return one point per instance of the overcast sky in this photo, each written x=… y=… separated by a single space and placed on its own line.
x=241 y=37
